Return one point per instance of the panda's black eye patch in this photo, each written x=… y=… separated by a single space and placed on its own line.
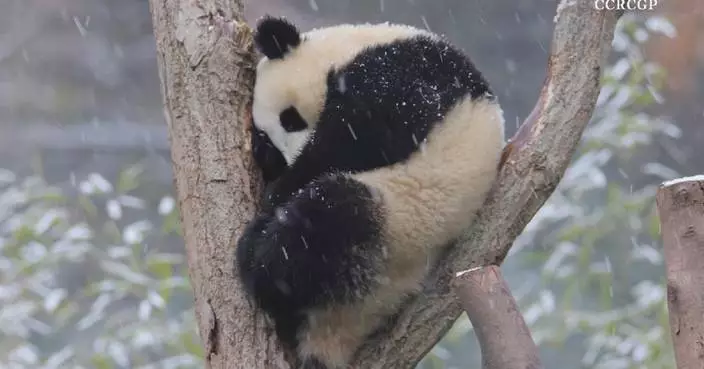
x=292 y=121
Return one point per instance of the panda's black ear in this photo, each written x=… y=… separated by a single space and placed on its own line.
x=275 y=37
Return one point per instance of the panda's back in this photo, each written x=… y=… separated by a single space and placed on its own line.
x=381 y=105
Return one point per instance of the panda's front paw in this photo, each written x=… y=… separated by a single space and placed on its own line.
x=273 y=197
x=269 y=159
x=251 y=249
x=318 y=246
x=332 y=210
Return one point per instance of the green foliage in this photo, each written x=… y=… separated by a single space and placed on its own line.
x=599 y=241
x=87 y=282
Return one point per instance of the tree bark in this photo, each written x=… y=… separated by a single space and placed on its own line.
x=503 y=335
x=681 y=210
x=206 y=64
x=204 y=51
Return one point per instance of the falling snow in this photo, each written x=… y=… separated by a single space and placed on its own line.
x=352 y=131
x=341 y=84
x=425 y=23
x=281 y=215
x=313 y=5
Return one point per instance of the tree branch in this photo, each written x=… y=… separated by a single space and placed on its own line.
x=503 y=335
x=534 y=162
x=681 y=209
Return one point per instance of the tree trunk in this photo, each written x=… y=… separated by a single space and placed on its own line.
x=204 y=50
x=681 y=209
x=206 y=59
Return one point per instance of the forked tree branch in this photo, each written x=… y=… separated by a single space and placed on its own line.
x=681 y=209
x=205 y=57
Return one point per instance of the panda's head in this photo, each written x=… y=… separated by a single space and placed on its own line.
x=291 y=80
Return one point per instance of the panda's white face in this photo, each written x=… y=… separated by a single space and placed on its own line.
x=281 y=108
x=290 y=86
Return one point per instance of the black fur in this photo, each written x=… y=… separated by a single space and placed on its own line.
x=379 y=109
x=292 y=121
x=275 y=37
x=287 y=260
x=266 y=155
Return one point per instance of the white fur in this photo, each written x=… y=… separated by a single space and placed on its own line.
x=428 y=202
x=299 y=79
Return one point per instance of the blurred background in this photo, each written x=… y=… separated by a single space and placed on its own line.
x=92 y=271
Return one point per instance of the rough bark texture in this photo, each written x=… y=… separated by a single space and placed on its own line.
x=503 y=335
x=681 y=209
x=206 y=68
x=205 y=57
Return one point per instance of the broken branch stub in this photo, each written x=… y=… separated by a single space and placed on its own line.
x=681 y=209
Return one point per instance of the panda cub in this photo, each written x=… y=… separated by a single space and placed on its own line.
x=378 y=143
